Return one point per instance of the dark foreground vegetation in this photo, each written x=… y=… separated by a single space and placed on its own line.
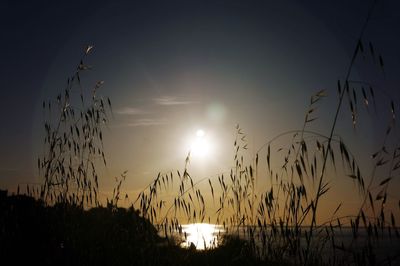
x=64 y=234
x=274 y=195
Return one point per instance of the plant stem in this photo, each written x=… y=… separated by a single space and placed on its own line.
x=320 y=184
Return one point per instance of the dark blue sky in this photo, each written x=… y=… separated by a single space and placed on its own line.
x=172 y=67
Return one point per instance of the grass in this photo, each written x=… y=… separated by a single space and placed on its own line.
x=280 y=223
x=268 y=203
x=66 y=234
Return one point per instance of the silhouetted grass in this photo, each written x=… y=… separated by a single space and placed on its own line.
x=280 y=223
x=275 y=224
x=65 y=234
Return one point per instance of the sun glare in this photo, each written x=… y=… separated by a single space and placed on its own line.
x=201 y=235
x=200 y=146
x=200 y=133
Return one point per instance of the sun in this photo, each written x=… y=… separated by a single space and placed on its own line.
x=200 y=145
x=200 y=133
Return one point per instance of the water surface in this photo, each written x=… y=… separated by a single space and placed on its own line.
x=201 y=235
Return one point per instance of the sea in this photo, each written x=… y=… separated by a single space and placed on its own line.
x=383 y=245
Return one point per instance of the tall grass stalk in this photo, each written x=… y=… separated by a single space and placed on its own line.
x=270 y=199
x=342 y=94
x=280 y=223
x=73 y=142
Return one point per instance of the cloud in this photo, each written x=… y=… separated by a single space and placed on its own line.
x=145 y=122
x=167 y=100
x=130 y=111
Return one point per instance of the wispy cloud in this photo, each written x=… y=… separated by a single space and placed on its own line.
x=167 y=100
x=145 y=122
x=130 y=111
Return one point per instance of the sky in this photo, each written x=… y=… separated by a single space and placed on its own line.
x=172 y=68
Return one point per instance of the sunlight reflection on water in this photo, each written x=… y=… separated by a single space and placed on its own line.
x=201 y=235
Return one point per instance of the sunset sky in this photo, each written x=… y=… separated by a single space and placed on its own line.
x=172 y=68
